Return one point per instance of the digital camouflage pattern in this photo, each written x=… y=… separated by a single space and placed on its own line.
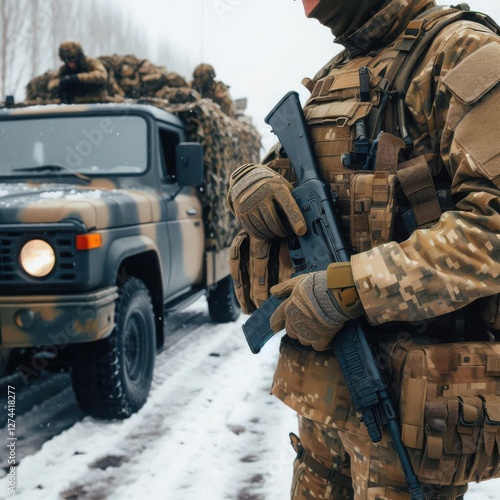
x=404 y=281
x=443 y=266
x=370 y=464
x=449 y=401
x=331 y=432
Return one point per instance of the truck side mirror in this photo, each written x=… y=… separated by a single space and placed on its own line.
x=190 y=169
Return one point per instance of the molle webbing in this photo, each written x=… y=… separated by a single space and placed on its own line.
x=372 y=209
x=449 y=407
x=415 y=41
x=335 y=107
x=418 y=36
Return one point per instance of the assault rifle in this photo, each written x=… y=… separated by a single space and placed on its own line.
x=321 y=245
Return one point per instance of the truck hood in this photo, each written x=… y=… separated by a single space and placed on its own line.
x=97 y=208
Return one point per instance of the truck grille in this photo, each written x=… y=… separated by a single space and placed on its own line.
x=7 y=267
x=71 y=266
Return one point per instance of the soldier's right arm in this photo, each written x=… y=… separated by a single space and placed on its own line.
x=96 y=74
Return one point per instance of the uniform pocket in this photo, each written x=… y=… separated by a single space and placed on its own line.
x=450 y=409
x=311 y=383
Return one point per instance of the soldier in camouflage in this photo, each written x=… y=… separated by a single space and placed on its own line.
x=431 y=275
x=204 y=83
x=80 y=79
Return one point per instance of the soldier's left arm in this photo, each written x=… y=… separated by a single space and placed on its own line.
x=96 y=74
x=456 y=100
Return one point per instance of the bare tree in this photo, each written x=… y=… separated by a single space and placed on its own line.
x=14 y=58
x=35 y=42
x=32 y=30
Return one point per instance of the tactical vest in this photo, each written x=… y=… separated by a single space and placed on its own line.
x=384 y=186
x=356 y=115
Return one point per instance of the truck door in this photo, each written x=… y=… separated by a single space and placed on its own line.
x=186 y=238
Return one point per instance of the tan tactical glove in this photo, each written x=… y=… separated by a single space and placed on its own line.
x=318 y=305
x=261 y=200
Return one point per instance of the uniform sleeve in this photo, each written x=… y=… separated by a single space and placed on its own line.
x=456 y=100
x=223 y=98
x=96 y=74
x=55 y=80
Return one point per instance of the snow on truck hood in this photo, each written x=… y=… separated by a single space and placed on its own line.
x=97 y=208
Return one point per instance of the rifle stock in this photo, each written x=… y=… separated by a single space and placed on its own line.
x=321 y=245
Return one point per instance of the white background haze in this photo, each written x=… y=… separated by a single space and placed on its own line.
x=260 y=48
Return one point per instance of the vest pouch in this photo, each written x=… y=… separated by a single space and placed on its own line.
x=372 y=209
x=332 y=130
x=449 y=403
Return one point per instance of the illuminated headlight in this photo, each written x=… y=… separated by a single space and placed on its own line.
x=37 y=258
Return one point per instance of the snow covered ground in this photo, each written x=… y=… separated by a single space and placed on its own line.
x=209 y=430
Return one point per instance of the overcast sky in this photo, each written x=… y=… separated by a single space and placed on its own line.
x=260 y=48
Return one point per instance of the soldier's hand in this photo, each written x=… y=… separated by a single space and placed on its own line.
x=313 y=313
x=260 y=199
x=69 y=81
x=310 y=314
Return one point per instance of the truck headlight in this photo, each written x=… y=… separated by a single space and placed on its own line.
x=37 y=258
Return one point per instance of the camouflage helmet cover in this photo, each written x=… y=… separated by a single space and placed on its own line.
x=69 y=51
x=204 y=71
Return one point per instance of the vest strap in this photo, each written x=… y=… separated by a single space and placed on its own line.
x=417 y=184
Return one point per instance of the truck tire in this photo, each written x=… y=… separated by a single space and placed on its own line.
x=113 y=376
x=223 y=306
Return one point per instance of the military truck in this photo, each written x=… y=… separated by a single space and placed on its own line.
x=103 y=233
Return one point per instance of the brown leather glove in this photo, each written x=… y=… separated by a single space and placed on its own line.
x=314 y=313
x=260 y=199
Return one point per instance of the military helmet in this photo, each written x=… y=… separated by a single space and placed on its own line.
x=203 y=77
x=204 y=71
x=70 y=51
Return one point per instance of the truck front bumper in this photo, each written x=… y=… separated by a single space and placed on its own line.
x=38 y=320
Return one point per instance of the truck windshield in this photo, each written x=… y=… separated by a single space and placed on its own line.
x=97 y=145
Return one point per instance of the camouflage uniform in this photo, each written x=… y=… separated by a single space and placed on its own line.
x=84 y=82
x=204 y=83
x=451 y=110
x=36 y=89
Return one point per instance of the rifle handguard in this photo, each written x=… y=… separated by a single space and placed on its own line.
x=341 y=284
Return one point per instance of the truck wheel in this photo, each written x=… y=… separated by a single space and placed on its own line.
x=223 y=306
x=113 y=376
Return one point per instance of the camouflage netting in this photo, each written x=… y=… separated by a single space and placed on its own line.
x=227 y=142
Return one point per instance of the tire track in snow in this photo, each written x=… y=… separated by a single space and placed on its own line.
x=204 y=432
